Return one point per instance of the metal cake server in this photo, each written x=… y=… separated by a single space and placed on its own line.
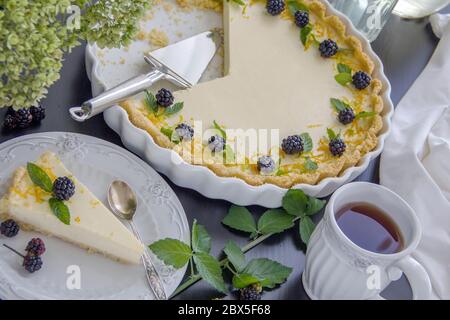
x=123 y=203
x=182 y=63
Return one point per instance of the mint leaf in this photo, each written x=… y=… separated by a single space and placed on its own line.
x=201 y=241
x=243 y=280
x=209 y=268
x=39 y=177
x=151 y=102
x=343 y=68
x=275 y=221
x=269 y=272
x=304 y=34
x=314 y=206
x=339 y=105
x=295 y=6
x=343 y=78
x=60 y=210
x=331 y=134
x=172 y=252
x=171 y=134
x=295 y=202
x=235 y=255
x=310 y=165
x=240 y=218
x=307 y=227
x=307 y=142
x=174 y=108
x=229 y=155
x=365 y=114
x=219 y=128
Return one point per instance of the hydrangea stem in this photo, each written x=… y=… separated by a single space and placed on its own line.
x=194 y=278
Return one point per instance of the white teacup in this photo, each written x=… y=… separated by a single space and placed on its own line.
x=337 y=268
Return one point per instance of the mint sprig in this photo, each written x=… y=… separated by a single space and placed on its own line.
x=171 y=134
x=310 y=165
x=331 y=134
x=345 y=74
x=365 y=114
x=221 y=131
x=39 y=177
x=304 y=34
x=307 y=142
x=294 y=6
x=60 y=210
x=339 y=105
x=150 y=102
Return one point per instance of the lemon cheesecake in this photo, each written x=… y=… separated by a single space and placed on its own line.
x=86 y=221
x=294 y=81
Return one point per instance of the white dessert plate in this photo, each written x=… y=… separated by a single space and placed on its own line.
x=96 y=163
x=108 y=67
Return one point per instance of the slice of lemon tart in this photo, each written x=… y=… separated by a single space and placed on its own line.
x=81 y=220
x=299 y=100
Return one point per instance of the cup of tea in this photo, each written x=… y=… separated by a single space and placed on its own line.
x=364 y=242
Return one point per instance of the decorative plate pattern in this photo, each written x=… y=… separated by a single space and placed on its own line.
x=96 y=163
x=105 y=71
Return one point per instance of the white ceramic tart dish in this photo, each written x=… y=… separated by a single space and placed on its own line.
x=289 y=75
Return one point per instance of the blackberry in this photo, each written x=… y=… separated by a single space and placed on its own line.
x=346 y=116
x=32 y=263
x=275 y=7
x=252 y=292
x=23 y=118
x=164 y=98
x=11 y=111
x=35 y=247
x=361 y=80
x=38 y=113
x=10 y=123
x=337 y=147
x=301 y=18
x=292 y=144
x=328 y=48
x=9 y=228
x=63 y=188
x=216 y=143
x=184 y=131
x=266 y=165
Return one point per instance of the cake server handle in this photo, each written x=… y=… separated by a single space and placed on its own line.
x=150 y=271
x=115 y=95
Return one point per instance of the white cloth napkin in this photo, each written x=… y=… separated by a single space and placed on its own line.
x=416 y=159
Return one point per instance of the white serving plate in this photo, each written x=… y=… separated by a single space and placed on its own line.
x=105 y=70
x=96 y=163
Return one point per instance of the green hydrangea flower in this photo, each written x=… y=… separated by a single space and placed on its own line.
x=35 y=35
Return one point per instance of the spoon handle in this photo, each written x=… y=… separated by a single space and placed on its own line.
x=150 y=271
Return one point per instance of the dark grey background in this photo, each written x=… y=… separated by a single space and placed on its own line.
x=404 y=47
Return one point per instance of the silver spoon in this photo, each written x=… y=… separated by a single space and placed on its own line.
x=123 y=203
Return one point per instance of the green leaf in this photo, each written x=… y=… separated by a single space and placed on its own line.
x=343 y=78
x=365 y=114
x=269 y=272
x=151 y=102
x=60 y=210
x=339 y=105
x=304 y=34
x=295 y=6
x=281 y=172
x=314 y=206
x=235 y=255
x=310 y=165
x=331 y=134
x=229 y=155
x=239 y=2
x=243 y=280
x=172 y=252
x=39 y=177
x=171 y=134
x=307 y=142
x=343 y=68
x=240 y=218
x=201 y=240
x=174 y=108
x=295 y=202
x=220 y=129
x=307 y=227
x=209 y=268
x=275 y=221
